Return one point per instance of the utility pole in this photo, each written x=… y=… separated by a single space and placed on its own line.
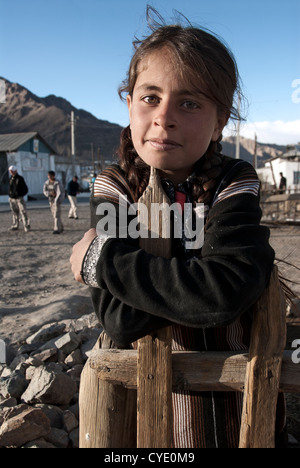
x=255 y=152
x=73 y=142
x=237 y=143
x=93 y=158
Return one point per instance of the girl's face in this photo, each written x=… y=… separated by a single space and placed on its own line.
x=171 y=123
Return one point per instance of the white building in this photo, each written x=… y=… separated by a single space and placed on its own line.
x=32 y=156
x=289 y=164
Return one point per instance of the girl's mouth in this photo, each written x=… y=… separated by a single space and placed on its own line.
x=163 y=145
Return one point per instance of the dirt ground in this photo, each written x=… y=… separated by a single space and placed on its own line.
x=37 y=285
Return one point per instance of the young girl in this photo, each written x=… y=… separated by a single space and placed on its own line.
x=180 y=89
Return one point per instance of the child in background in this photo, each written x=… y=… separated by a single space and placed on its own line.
x=180 y=90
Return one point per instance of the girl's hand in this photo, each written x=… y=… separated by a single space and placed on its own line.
x=78 y=253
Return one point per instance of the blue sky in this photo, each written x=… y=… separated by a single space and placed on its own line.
x=80 y=50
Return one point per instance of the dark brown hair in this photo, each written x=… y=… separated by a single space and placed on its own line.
x=209 y=66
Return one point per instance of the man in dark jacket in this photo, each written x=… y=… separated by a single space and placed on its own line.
x=73 y=189
x=17 y=190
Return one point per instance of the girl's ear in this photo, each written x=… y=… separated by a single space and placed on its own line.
x=221 y=123
x=128 y=100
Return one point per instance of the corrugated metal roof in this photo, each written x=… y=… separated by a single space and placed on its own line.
x=12 y=141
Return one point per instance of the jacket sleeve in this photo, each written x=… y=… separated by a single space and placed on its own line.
x=22 y=187
x=45 y=189
x=144 y=292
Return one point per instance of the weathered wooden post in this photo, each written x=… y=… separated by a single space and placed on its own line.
x=154 y=368
x=107 y=412
x=268 y=338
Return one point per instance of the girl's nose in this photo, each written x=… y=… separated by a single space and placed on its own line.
x=165 y=117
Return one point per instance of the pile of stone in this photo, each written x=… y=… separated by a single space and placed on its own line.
x=39 y=387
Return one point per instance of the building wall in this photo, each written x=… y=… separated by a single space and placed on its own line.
x=33 y=167
x=4 y=179
x=289 y=169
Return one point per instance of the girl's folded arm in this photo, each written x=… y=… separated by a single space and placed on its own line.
x=209 y=291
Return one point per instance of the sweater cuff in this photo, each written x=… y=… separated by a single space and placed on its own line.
x=89 y=265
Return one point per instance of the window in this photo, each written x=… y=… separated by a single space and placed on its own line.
x=296 y=178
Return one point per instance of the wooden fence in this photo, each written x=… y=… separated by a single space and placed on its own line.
x=126 y=395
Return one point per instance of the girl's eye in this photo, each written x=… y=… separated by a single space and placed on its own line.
x=151 y=99
x=190 y=105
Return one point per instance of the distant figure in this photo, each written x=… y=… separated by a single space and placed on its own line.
x=73 y=189
x=54 y=191
x=91 y=184
x=17 y=190
x=282 y=183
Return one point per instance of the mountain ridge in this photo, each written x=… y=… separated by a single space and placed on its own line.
x=24 y=111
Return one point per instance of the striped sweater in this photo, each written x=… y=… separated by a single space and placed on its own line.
x=207 y=297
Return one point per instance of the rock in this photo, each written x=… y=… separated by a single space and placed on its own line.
x=70 y=421
x=75 y=409
x=8 y=403
x=34 y=361
x=74 y=358
x=39 y=388
x=46 y=354
x=74 y=438
x=2 y=367
x=17 y=362
x=89 y=338
x=39 y=444
x=75 y=372
x=54 y=414
x=47 y=332
x=49 y=386
x=68 y=342
x=13 y=385
x=6 y=371
x=58 y=437
x=24 y=427
x=86 y=321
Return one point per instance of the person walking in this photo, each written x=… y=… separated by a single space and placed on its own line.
x=17 y=191
x=54 y=191
x=73 y=189
x=282 y=183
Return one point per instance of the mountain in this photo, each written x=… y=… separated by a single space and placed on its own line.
x=23 y=111
x=264 y=151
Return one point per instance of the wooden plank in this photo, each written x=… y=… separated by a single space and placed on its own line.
x=107 y=413
x=154 y=369
x=268 y=338
x=195 y=371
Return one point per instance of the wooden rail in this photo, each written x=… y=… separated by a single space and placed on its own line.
x=223 y=371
